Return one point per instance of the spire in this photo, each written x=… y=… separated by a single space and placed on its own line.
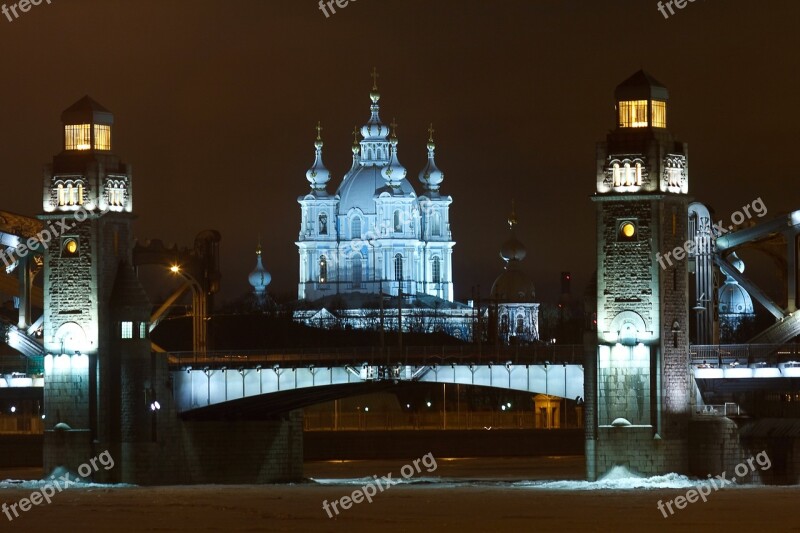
x=512 y=220
x=394 y=172
x=318 y=176
x=430 y=176
x=374 y=147
x=259 y=278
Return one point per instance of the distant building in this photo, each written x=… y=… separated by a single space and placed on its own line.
x=514 y=294
x=374 y=239
x=735 y=304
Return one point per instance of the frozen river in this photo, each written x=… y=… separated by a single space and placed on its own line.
x=532 y=494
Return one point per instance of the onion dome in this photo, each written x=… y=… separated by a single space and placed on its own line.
x=259 y=278
x=374 y=129
x=430 y=176
x=733 y=298
x=318 y=176
x=512 y=249
x=513 y=285
x=394 y=173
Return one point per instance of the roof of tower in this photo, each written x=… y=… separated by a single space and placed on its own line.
x=259 y=278
x=512 y=249
x=87 y=110
x=318 y=175
x=641 y=86
x=376 y=169
x=430 y=176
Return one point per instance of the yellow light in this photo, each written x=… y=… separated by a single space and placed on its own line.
x=633 y=114
x=71 y=246
x=628 y=230
x=175 y=269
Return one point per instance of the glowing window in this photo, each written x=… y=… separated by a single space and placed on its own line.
x=659 y=114
x=80 y=193
x=323 y=269
x=77 y=137
x=69 y=247
x=617 y=176
x=436 y=270
x=638 y=173
x=102 y=137
x=61 y=198
x=126 y=330
x=633 y=114
x=627 y=231
x=142 y=330
x=628 y=175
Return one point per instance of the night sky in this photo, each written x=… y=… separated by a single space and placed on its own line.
x=216 y=102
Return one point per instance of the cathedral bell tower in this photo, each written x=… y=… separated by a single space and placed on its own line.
x=87 y=203
x=638 y=386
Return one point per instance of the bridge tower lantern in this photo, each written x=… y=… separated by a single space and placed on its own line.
x=638 y=392
x=87 y=204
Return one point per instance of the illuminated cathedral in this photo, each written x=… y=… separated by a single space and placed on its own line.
x=375 y=238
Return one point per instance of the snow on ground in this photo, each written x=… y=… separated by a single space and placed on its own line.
x=495 y=495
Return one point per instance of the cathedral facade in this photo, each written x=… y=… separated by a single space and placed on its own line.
x=374 y=253
x=374 y=234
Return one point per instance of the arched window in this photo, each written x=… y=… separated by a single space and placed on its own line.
x=617 y=178
x=323 y=269
x=628 y=175
x=436 y=225
x=638 y=173
x=323 y=223
x=398 y=267
x=61 y=200
x=436 y=270
x=504 y=324
x=520 y=325
x=398 y=224
x=357 y=272
x=355 y=228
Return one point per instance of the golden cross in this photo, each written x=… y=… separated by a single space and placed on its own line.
x=394 y=127
x=355 y=134
x=374 y=79
x=430 y=132
x=319 y=131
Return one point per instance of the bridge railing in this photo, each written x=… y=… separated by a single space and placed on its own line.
x=719 y=355
x=374 y=355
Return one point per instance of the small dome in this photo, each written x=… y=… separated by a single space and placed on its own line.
x=734 y=300
x=259 y=278
x=318 y=176
x=513 y=250
x=430 y=176
x=394 y=173
x=513 y=285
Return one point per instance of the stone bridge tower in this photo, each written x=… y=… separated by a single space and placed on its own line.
x=638 y=387
x=87 y=203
